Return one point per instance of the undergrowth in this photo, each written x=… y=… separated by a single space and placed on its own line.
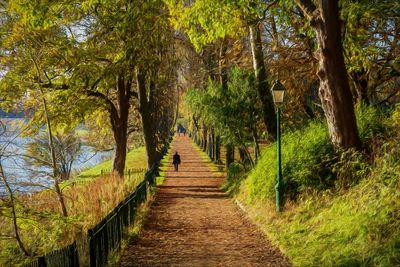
x=342 y=208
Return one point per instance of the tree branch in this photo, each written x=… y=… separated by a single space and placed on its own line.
x=133 y=94
x=308 y=8
x=132 y=130
x=110 y=105
x=256 y=21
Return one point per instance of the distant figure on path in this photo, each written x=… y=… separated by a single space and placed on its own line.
x=180 y=129
x=176 y=160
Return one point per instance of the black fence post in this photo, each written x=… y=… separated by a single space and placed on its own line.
x=41 y=261
x=92 y=251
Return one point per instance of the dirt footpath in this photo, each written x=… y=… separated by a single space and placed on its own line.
x=193 y=223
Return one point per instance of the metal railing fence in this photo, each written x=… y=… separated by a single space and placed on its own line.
x=64 y=257
x=107 y=235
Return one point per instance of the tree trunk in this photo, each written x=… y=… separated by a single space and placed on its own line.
x=242 y=155
x=205 y=143
x=334 y=90
x=51 y=145
x=230 y=155
x=146 y=111
x=360 y=86
x=212 y=146
x=119 y=157
x=177 y=106
x=56 y=175
x=13 y=212
x=263 y=88
x=208 y=149
x=119 y=123
x=256 y=145
x=217 y=148
x=149 y=140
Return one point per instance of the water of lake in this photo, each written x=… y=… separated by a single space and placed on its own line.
x=19 y=174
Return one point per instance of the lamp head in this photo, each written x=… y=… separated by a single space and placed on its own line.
x=278 y=92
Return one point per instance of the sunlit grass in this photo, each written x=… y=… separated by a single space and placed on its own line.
x=134 y=159
x=360 y=227
x=357 y=225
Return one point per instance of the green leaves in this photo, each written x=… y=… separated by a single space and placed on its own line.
x=233 y=112
x=369 y=32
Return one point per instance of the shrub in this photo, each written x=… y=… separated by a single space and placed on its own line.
x=234 y=170
x=306 y=157
x=358 y=227
x=350 y=167
x=370 y=122
x=310 y=162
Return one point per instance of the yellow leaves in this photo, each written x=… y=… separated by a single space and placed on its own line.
x=396 y=114
x=86 y=5
x=206 y=21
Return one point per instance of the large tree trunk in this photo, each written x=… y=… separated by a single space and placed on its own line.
x=149 y=140
x=263 y=88
x=118 y=164
x=119 y=123
x=334 y=91
x=146 y=110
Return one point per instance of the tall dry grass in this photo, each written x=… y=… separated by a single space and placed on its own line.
x=41 y=224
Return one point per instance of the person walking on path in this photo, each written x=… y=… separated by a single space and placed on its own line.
x=194 y=223
x=176 y=160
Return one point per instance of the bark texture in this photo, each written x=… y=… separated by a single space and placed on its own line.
x=263 y=87
x=217 y=148
x=230 y=155
x=334 y=91
x=146 y=110
x=119 y=124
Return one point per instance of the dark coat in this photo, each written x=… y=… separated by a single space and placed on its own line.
x=176 y=159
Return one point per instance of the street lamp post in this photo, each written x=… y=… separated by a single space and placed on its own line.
x=278 y=92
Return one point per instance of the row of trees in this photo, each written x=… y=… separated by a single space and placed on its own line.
x=347 y=49
x=72 y=62
x=116 y=60
x=232 y=112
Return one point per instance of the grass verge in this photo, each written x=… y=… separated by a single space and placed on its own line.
x=342 y=209
x=133 y=232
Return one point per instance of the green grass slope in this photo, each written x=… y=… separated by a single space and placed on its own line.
x=135 y=158
x=342 y=209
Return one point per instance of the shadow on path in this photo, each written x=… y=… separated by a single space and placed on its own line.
x=193 y=223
